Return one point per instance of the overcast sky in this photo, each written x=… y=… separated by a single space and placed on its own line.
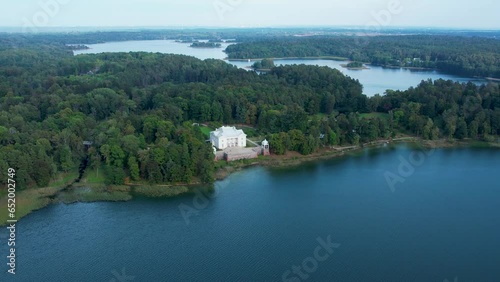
x=251 y=13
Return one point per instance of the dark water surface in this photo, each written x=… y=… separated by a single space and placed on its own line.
x=442 y=222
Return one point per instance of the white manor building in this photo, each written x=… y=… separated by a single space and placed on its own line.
x=228 y=137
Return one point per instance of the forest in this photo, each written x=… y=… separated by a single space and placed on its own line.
x=139 y=110
x=459 y=55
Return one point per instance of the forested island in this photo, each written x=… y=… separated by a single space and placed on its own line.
x=354 y=66
x=139 y=112
x=459 y=55
x=263 y=65
x=78 y=47
x=205 y=45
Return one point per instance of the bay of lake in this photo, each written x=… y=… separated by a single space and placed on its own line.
x=375 y=80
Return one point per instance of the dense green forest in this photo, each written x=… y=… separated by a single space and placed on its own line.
x=468 y=56
x=138 y=109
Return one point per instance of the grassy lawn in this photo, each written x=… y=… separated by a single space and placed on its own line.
x=63 y=179
x=94 y=175
x=28 y=201
x=250 y=132
x=95 y=193
x=33 y=199
x=159 y=192
x=206 y=130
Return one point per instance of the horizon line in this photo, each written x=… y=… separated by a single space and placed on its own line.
x=261 y=27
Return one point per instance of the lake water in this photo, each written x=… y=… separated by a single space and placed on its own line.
x=375 y=80
x=442 y=223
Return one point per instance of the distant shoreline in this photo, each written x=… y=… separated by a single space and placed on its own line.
x=492 y=79
x=407 y=68
x=204 y=47
x=333 y=58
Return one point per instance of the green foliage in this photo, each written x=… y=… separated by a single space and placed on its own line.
x=355 y=65
x=206 y=131
x=138 y=110
x=468 y=56
x=133 y=168
x=205 y=45
x=65 y=159
x=264 y=64
x=279 y=143
x=114 y=175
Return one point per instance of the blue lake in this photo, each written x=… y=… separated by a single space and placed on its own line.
x=260 y=224
x=375 y=80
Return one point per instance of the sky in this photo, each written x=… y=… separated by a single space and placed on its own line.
x=479 y=14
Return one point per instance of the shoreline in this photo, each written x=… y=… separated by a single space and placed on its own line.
x=340 y=59
x=83 y=192
x=493 y=79
x=346 y=66
x=204 y=47
x=294 y=159
x=405 y=68
x=333 y=58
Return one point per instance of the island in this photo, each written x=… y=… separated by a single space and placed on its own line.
x=76 y=47
x=263 y=65
x=354 y=66
x=205 y=45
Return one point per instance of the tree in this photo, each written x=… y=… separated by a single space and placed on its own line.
x=474 y=129
x=332 y=138
x=44 y=169
x=297 y=139
x=133 y=168
x=149 y=128
x=186 y=164
x=427 y=130
x=450 y=120
x=217 y=113
x=309 y=146
x=117 y=156
x=114 y=175
x=65 y=159
x=207 y=171
x=278 y=143
x=205 y=113
x=462 y=130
